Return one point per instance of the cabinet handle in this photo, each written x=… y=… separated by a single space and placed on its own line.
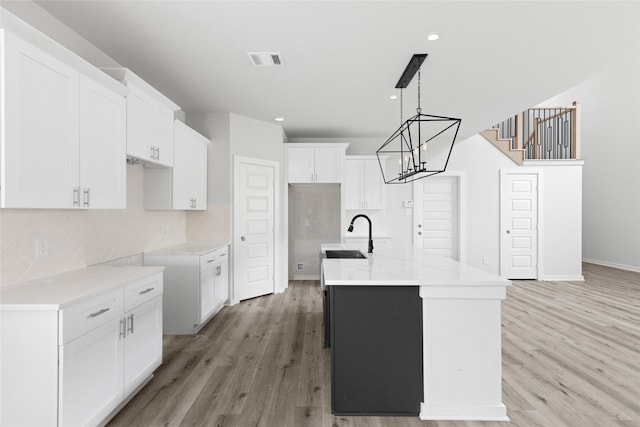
x=218 y=270
x=211 y=260
x=130 y=321
x=224 y=254
x=153 y=152
x=76 y=196
x=87 y=197
x=123 y=328
x=98 y=313
x=145 y=291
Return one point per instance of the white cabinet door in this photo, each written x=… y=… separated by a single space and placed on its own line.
x=221 y=291
x=162 y=140
x=373 y=184
x=363 y=184
x=189 y=169
x=91 y=375
x=328 y=164
x=207 y=292
x=102 y=147
x=40 y=123
x=199 y=172
x=301 y=164
x=143 y=344
x=353 y=184
x=182 y=193
x=139 y=123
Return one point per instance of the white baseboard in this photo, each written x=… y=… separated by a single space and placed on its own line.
x=445 y=411
x=561 y=278
x=306 y=277
x=612 y=264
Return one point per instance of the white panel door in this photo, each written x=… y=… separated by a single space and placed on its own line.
x=102 y=147
x=40 y=135
x=254 y=275
x=437 y=216
x=519 y=225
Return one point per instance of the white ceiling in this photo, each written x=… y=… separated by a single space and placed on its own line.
x=343 y=58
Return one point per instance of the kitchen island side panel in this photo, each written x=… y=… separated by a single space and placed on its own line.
x=376 y=350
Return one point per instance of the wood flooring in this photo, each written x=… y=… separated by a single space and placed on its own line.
x=571 y=357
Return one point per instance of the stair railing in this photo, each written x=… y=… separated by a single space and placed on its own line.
x=545 y=133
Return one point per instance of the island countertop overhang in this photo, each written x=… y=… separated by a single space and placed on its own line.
x=406 y=267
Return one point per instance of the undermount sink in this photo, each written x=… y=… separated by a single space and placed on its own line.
x=344 y=253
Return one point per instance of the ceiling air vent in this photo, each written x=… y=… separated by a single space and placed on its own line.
x=266 y=59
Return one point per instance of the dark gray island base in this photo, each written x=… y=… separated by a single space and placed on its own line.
x=376 y=350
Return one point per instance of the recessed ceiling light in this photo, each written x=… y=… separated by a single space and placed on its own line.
x=433 y=37
x=393 y=96
x=279 y=119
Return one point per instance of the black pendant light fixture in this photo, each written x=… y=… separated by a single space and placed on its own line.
x=407 y=146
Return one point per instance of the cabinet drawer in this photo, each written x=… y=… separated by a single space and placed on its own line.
x=207 y=260
x=81 y=318
x=221 y=254
x=142 y=291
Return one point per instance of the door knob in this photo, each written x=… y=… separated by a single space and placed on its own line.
x=242 y=238
x=419 y=233
x=508 y=231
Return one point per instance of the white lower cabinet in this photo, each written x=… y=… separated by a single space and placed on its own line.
x=143 y=344
x=196 y=285
x=91 y=375
x=99 y=351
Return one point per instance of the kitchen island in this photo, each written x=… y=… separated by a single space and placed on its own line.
x=374 y=305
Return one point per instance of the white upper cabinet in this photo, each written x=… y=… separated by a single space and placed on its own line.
x=103 y=170
x=184 y=186
x=54 y=119
x=315 y=163
x=150 y=118
x=363 y=183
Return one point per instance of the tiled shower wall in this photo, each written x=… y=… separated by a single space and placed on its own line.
x=77 y=238
x=314 y=218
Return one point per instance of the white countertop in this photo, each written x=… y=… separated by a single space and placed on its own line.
x=400 y=267
x=189 y=248
x=56 y=292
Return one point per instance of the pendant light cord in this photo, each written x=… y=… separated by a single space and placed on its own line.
x=419 y=110
x=401 y=103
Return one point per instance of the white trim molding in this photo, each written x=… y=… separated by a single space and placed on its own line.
x=612 y=264
x=448 y=411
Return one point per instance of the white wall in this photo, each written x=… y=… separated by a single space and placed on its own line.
x=611 y=151
x=231 y=135
x=39 y=18
x=560 y=235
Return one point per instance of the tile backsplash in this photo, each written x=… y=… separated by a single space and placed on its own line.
x=77 y=238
